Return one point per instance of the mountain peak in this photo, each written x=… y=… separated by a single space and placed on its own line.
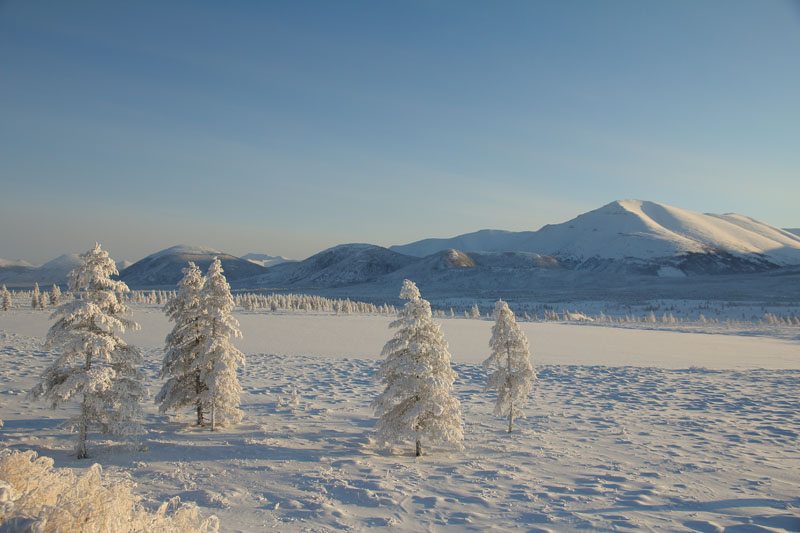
x=165 y=268
x=637 y=232
x=351 y=246
x=184 y=249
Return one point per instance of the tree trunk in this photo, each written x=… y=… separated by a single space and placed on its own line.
x=213 y=420
x=197 y=390
x=511 y=409
x=83 y=428
x=419 y=448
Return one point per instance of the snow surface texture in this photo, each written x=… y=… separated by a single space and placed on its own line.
x=686 y=439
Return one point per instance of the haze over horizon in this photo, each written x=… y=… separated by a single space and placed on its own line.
x=288 y=128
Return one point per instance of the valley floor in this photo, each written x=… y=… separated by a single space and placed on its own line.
x=627 y=430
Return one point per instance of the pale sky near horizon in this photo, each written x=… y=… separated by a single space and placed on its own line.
x=289 y=127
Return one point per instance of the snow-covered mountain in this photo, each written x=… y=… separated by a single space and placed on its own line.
x=356 y=268
x=6 y=263
x=639 y=236
x=165 y=268
x=793 y=231
x=266 y=260
x=486 y=240
x=341 y=265
x=22 y=274
x=623 y=237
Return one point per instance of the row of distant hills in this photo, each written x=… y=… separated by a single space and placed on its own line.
x=625 y=240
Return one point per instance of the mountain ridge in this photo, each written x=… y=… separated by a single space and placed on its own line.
x=629 y=230
x=621 y=237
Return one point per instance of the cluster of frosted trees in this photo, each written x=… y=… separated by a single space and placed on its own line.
x=151 y=297
x=417 y=400
x=200 y=361
x=37 y=298
x=251 y=301
x=667 y=318
x=307 y=302
x=102 y=373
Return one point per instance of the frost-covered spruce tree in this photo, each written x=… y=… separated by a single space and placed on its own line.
x=55 y=295
x=96 y=367
x=218 y=358
x=5 y=299
x=182 y=351
x=513 y=374
x=417 y=399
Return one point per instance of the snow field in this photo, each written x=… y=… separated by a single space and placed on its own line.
x=363 y=337
x=620 y=434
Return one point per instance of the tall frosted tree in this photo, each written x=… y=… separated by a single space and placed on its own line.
x=181 y=365
x=96 y=367
x=218 y=358
x=417 y=400
x=5 y=299
x=513 y=373
x=35 y=296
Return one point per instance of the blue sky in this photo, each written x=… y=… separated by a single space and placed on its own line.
x=288 y=127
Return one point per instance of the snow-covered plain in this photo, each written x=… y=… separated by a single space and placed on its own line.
x=627 y=430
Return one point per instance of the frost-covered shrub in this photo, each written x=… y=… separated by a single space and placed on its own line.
x=34 y=496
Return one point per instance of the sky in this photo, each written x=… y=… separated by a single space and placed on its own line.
x=289 y=127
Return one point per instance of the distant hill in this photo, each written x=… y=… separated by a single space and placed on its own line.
x=165 y=268
x=265 y=260
x=5 y=263
x=22 y=274
x=341 y=265
x=619 y=240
